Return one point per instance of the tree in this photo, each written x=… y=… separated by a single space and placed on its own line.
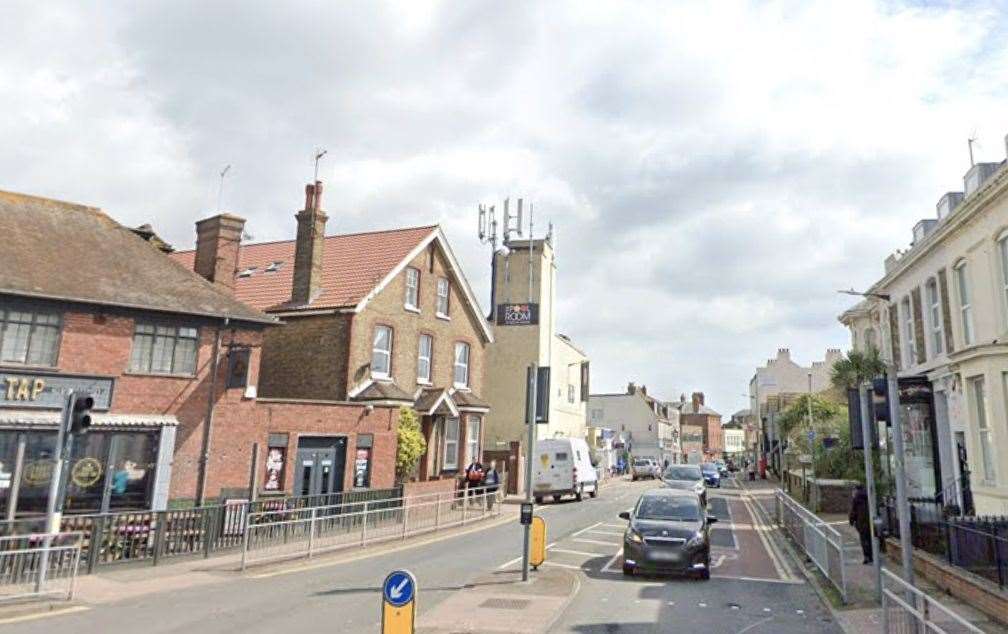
x=856 y=368
x=411 y=443
x=825 y=415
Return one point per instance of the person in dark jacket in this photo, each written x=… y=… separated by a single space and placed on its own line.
x=491 y=480
x=861 y=520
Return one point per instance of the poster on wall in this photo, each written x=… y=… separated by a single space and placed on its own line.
x=361 y=467
x=275 y=459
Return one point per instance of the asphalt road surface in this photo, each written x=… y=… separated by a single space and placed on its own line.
x=752 y=588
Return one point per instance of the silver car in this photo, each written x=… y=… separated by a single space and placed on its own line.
x=643 y=468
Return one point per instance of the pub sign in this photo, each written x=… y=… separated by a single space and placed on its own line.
x=40 y=390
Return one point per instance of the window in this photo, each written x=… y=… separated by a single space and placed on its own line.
x=935 y=317
x=362 y=461
x=412 y=288
x=986 y=445
x=1003 y=250
x=443 y=292
x=451 y=442
x=472 y=438
x=164 y=349
x=965 y=309
x=381 y=352
x=29 y=336
x=461 y=377
x=570 y=393
x=870 y=338
x=424 y=359
x=908 y=332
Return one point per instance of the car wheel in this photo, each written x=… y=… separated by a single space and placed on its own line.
x=580 y=493
x=538 y=500
x=628 y=570
x=594 y=491
x=556 y=499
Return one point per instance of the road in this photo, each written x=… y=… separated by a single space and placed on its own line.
x=752 y=588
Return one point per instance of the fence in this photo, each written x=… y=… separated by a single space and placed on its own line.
x=150 y=536
x=39 y=565
x=818 y=540
x=976 y=544
x=294 y=533
x=908 y=610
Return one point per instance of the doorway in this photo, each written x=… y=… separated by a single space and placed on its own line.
x=320 y=465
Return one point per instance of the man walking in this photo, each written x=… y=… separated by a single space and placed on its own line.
x=491 y=482
x=473 y=477
x=859 y=519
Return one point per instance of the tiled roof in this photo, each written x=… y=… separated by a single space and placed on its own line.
x=465 y=399
x=352 y=265
x=383 y=391
x=72 y=252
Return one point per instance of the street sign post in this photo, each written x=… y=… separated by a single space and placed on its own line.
x=399 y=602
x=537 y=554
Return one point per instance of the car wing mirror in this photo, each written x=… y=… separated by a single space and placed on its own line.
x=625 y=515
x=711 y=519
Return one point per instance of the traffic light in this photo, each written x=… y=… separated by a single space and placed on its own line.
x=80 y=414
x=880 y=399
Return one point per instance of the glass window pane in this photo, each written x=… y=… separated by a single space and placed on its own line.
x=161 y=357
x=140 y=357
x=132 y=474
x=43 y=348
x=87 y=472
x=185 y=356
x=8 y=455
x=35 y=474
x=15 y=342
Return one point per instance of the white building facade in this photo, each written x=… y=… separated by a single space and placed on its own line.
x=647 y=426
x=941 y=312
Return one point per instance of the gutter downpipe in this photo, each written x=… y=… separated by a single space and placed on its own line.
x=208 y=423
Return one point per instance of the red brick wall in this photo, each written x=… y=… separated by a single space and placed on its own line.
x=100 y=343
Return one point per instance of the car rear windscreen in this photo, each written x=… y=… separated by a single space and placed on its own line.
x=682 y=472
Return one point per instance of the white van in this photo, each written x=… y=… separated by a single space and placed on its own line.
x=562 y=466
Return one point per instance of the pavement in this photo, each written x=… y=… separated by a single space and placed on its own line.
x=468 y=581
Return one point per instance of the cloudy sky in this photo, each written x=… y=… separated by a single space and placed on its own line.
x=716 y=171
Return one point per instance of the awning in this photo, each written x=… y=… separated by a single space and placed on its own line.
x=40 y=418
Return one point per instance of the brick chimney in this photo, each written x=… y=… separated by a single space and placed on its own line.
x=308 y=248
x=697 y=401
x=631 y=388
x=218 y=239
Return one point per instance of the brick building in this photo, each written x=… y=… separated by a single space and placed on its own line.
x=698 y=421
x=381 y=319
x=89 y=305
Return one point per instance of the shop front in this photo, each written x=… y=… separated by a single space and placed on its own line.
x=122 y=463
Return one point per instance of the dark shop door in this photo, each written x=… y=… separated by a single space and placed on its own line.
x=320 y=465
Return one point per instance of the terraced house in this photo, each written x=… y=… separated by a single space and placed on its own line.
x=382 y=319
x=940 y=314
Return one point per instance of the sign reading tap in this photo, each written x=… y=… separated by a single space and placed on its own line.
x=517 y=314
x=399 y=602
x=39 y=390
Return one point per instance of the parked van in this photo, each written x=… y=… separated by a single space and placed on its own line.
x=562 y=466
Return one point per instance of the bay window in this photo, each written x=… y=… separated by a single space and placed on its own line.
x=451 y=443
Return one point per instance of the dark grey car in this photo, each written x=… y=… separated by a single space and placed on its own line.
x=669 y=531
x=686 y=477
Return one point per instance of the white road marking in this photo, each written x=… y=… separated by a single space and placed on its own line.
x=752 y=625
x=593 y=541
x=585 y=529
x=577 y=552
x=601 y=532
x=517 y=559
x=559 y=565
x=608 y=567
x=790 y=582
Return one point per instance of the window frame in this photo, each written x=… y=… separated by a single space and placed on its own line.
x=388 y=353
x=965 y=302
x=461 y=345
x=425 y=380
x=156 y=325
x=412 y=299
x=445 y=283
x=985 y=442
x=33 y=327
x=473 y=448
x=453 y=465
x=933 y=296
x=909 y=340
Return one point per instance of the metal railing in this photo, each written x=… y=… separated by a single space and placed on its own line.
x=975 y=544
x=908 y=610
x=39 y=565
x=151 y=536
x=289 y=534
x=822 y=543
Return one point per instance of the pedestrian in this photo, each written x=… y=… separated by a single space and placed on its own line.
x=491 y=482
x=473 y=477
x=859 y=519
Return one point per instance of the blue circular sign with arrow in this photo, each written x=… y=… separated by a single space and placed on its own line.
x=399 y=588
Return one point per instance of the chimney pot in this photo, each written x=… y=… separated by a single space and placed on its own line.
x=218 y=242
